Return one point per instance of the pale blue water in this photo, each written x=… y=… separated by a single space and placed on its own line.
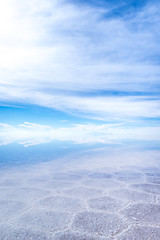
x=16 y=154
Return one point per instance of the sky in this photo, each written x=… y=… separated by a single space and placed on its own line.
x=81 y=71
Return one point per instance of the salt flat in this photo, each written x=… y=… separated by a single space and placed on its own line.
x=91 y=196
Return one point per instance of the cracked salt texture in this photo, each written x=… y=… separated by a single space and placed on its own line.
x=129 y=176
x=69 y=235
x=100 y=175
x=61 y=203
x=103 y=183
x=99 y=224
x=141 y=233
x=66 y=177
x=150 y=188
x=130 y=195
x=9 y=233
x=59 y=184
x=125 y=173
x=106 y=203
x=88 y=200
x=45 y=220
x=131 y=179
x=142 y=213
x=83 y=192
x=23 y=193
x=10 y=209
x=53 y=186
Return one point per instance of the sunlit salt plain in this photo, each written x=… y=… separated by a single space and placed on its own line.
x=100 y=193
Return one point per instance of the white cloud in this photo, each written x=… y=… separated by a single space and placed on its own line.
x=48 y=45
x=106 y=108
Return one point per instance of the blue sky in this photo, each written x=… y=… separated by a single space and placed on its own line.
x=79 y=67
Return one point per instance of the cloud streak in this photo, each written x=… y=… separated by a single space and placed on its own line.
x=102 y=107
x=50 y=46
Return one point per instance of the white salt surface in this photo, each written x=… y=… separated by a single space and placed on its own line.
x=93 y=196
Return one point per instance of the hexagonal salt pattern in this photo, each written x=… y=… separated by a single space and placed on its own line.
x=9 y=233
x=142 y=213
x=141 y=233
x=102 y=175
x=99 y=224
x=105 y=204
x=130 y=195
x=26 y=194
x=150 y=188
x=62 y=203
x=10 y=208
x=103 y=184
x=83 y=204
x=70 y=235
x=129 y=176
x=83 y=192
x=44 y=220
x=67 y=176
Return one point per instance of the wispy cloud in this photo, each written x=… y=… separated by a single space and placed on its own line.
x=100 y=107
x=57 y=45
